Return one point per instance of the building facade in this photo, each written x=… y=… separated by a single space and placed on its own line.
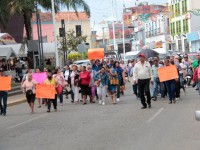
x=150 y=26
x=78 y=22
x=182 y=22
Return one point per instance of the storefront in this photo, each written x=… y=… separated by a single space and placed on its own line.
x=194 y=38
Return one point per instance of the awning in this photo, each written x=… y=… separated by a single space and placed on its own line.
x=7 y=53
x=19 y=49
x=160 y=50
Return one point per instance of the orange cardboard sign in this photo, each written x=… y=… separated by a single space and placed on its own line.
x=45 y=91
x=167 y=73
x=96 y=53
x=5 y=83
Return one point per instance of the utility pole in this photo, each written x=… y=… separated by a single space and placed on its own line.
x=55 y=37
x=63 y=35
x=124 y=52
x=40 y=39
x=113 y=24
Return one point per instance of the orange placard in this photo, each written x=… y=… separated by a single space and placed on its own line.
x=96 y=53
x=5 y=83
x=167 y=73
x=45 y=91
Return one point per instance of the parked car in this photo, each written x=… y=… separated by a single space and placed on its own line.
x=85 y=62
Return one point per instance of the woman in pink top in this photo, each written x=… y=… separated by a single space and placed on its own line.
x=61 y=81
x=29 y=87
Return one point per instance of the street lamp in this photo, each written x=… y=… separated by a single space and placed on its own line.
x=54 y=28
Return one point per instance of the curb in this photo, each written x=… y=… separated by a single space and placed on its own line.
x=17 y=102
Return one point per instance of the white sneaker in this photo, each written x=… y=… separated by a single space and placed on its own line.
x=100 y=102
x=103 y=103
x=118 y=99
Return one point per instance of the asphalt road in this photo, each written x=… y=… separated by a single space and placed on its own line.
x=92 y=127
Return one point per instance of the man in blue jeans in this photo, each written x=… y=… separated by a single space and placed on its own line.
x=3 y=96
x=156 y=79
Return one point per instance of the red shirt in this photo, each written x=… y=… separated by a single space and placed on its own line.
x=85 y=78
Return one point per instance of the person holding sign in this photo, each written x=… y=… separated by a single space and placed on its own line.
x=171 y=85
x=3 y=96
x=29 y=88
x=143 y=74
x=52 y=81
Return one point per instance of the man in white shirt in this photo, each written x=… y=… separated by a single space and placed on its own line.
x=143 y=75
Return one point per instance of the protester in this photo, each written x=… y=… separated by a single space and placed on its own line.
x=39 y=100
x=156 y=81
x=134 y=84
x=92 y=85
x=67 y=73
x=61 y=84
x=3 y=97
x=179 y=69
x=189 y=71
x=29 y=88
x=85 y=83
x=97 y=65
x=25 y=77
x=101 y=79
x=113 y=83
x=170 y=85
x=120 y=76
x=51 y=81
x=143 y=74
x=73 y=81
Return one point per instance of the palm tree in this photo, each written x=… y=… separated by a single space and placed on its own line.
x=27 y=7
x=4 y=13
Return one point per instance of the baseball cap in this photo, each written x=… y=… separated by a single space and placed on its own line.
x=141 y=55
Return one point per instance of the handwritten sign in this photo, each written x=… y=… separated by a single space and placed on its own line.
x=96 y=53
x=39 y=77
x=45 y=91
x=167 y=73
x=5 y=83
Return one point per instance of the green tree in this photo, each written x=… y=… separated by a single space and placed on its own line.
x=72 y=41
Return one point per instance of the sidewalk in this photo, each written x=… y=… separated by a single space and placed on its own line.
x=16 y=99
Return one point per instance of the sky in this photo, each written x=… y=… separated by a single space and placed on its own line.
x=102 y=9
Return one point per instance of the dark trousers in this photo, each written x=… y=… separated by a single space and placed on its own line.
x=178 y=87
x=143 y=87
x=4 y=97
x=54 y=101
x=60 y=96
x=171 y=89
x=135 y=88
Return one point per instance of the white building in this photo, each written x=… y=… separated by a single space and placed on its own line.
x=157 y=32
x=182 y=23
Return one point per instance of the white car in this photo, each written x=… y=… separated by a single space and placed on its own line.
x=81 y=63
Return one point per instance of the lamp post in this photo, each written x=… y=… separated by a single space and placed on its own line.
x=54 y=28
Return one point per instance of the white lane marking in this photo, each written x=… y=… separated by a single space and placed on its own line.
x=155 y=115
x=14 y=126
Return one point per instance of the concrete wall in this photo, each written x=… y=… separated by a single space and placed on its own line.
x=47 y=29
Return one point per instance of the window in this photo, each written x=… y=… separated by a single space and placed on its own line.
x=178 y=27
x=184 y=7
x=78 y=30
x=173 y=29
x=185 y=26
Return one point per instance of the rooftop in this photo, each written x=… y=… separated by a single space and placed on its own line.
x=71 y=16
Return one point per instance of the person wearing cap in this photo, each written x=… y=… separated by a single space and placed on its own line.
x=3 y=96
x=143 y=74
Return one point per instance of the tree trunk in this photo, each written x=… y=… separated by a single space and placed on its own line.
x=27 y=22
